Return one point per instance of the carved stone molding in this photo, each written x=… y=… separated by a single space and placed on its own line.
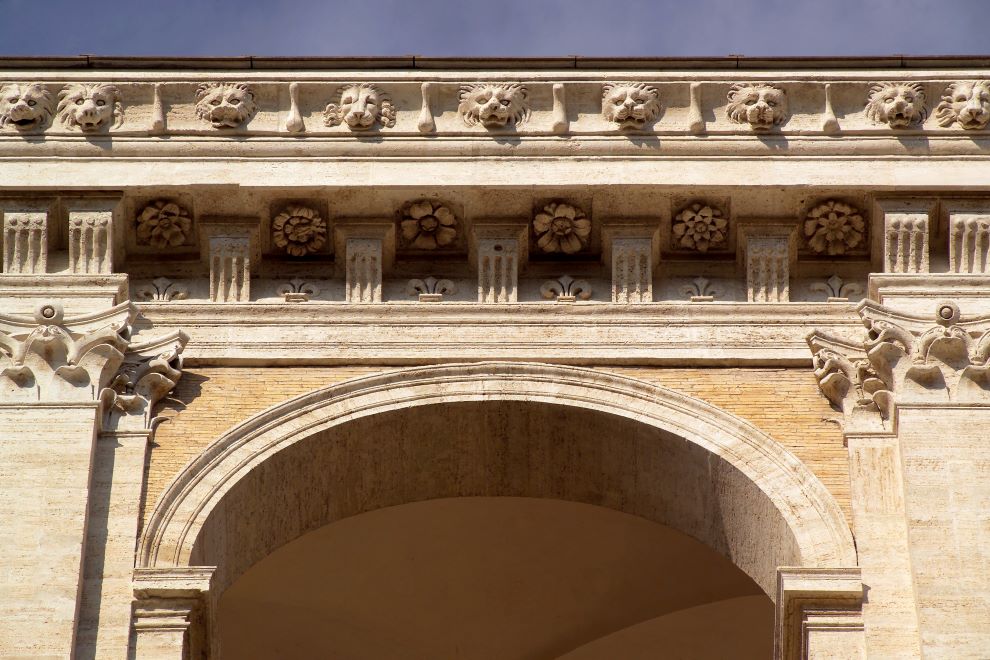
x=225 y=105
x=819 y=609
x=361 y=107
x=904 y=359
x=26 y=107
x=966 y=103
x=25 y=241
x=897 y=104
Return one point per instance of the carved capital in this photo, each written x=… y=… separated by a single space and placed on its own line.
x=905 y=360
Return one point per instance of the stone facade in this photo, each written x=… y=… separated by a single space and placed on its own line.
x=744 y=301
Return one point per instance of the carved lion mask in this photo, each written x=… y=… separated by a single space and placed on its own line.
x=225 y=105
x=896 y=104
x=760 y=105
x=966 y=102
x=25 y=107
x=90 y=108
x=493 y=105
x=630 y=105
x=360 y=107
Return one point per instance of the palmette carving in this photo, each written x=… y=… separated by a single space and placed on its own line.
x=494 y=105
x=760 y=105
x=162 y=289
x=966 y=103
x=225 y=105
x=90 y=108
x=360 y=106
x=630 y=104
x=430 y=289
x=26 y=107
x=565 y=289
x=897 y=104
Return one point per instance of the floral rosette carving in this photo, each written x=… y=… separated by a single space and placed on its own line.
x=299 y=231
x=561 y=227
x=428 y=225
x=163 y=224
x=700 y=227
x=834 y=228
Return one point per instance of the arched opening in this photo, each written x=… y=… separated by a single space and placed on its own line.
x=693 y=475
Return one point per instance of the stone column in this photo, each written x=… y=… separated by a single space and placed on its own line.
x=632 y=253
x=906 y=227
x=172 y=613
x=499 y=250
x=25 y=241
x=768 y=250
x=365 y=252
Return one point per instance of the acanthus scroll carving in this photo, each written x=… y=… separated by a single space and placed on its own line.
x=150 y=370
x=903 y=360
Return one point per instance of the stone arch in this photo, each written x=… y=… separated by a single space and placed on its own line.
x=810 y=513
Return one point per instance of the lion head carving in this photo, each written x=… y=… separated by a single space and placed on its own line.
x=630 y=104
x=90 y=108
x=966 y=102
x=26 y=107
x=760 y=105
x=493 y=105
x=897 y=104
x=361 y=107
x=225 y=105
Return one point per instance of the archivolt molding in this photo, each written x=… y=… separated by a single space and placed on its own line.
x=822 y=535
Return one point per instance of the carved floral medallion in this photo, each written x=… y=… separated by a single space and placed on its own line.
x=428 y=225
x=700 y=227
x=299 y=230
x=360 y=106
x=163 y=224
x=26 y=107
x=561 y=227
x=834 y=228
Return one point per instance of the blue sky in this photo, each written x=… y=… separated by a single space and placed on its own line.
x=494 y=27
